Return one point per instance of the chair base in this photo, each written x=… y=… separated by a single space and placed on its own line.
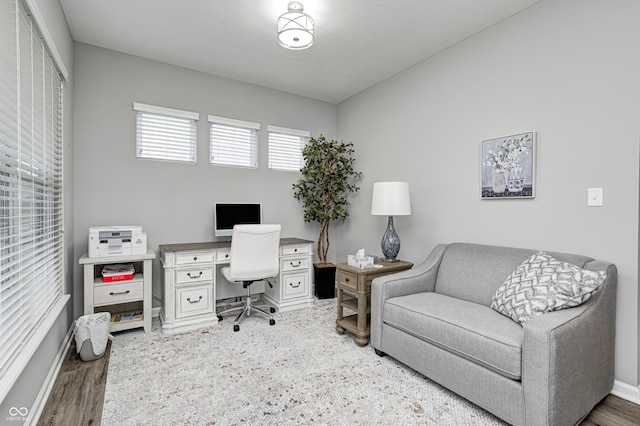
x=247 y=309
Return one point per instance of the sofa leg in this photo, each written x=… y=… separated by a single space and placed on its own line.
x=379 y=352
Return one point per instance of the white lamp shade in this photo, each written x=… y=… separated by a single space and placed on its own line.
x=391 y=199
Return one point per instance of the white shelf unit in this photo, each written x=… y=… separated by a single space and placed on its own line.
x=119 y=297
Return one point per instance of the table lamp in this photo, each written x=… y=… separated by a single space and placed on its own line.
x=390 y=199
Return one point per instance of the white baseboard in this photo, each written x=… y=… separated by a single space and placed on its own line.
x=47 y=386
x=625 y=391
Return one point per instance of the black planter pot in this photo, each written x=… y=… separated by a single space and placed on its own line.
x=325 y=280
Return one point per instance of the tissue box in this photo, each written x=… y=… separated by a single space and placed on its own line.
x=360 y=262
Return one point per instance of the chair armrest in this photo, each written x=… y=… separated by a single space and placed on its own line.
x=568 y=357
x=416 y=280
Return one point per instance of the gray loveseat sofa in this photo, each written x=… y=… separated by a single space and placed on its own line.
x=437 y=319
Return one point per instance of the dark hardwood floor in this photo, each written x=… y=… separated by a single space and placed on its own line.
x=613 y=411
x=78 y=395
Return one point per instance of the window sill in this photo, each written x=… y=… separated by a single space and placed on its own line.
x=19 y=363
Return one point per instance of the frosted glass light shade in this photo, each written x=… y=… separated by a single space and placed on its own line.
x=391 y=199
x=295 y=28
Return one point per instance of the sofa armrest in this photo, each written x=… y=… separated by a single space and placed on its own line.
x=419 y=279
x=568 y=357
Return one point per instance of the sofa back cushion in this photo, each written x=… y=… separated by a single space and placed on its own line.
x=474 y=272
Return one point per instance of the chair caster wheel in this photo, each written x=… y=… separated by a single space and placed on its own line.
x=236 y=328
x=272 y=310
x=220 y=318
x=272 y=322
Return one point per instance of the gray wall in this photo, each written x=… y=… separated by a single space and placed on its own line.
x=174 y=202
x=569 y=70
x=26 y=388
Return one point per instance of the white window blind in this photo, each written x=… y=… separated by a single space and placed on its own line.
x=285 y=148
x=31 y=185
x=233 y=142
x=165 y=133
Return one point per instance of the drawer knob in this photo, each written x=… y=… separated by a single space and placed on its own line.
x=346 y=280
x=295 y=286
x=194 y=277
x=295 y=266
x=195 y=258
x=226 y=255
x=116 y=293
x=195 y=301
x=295 y=250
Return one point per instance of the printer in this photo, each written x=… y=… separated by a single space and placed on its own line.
x=105 y=241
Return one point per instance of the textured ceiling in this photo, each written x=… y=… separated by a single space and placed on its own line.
x=358 y=43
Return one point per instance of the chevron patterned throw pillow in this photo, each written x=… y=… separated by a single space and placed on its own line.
x=543 y=284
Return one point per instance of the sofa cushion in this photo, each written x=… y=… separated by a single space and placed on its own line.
x=470 y=330
x=473 y=272
x=543 y=284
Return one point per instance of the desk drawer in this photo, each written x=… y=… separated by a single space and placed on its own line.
x=194 y=300
x=223 y=255
x=107 y=294
x=194 y=258
x=347 y=280
x=194 y=275
x=294 y=249
x=294 y=264
x=295 y=285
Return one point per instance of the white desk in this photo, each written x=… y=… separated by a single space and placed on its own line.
x=191 y=282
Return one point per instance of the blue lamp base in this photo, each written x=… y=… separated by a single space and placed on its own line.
x=390 y=243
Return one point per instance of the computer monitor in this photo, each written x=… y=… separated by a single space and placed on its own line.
x=229 y=214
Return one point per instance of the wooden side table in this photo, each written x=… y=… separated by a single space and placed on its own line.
x=356 y=283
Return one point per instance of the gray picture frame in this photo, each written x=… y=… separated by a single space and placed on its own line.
x=508 y=167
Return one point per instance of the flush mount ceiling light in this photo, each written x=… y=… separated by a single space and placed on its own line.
x=295 y=28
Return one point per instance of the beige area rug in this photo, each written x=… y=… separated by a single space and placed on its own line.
x=298 y=372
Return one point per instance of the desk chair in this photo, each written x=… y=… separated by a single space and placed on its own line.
x=254 y=257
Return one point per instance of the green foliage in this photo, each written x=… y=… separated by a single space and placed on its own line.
x=328 y=177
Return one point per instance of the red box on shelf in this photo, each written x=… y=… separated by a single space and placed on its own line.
x=112 y=273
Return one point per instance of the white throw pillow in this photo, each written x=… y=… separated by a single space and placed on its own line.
x=543 y=284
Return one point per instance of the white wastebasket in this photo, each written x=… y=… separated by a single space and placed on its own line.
x=92 y=334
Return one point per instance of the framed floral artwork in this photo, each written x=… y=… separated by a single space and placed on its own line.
x=508 y=166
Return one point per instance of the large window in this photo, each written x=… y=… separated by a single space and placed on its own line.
x=285 y=148
x=31 y=188
x=233 y=142
x=165 y=133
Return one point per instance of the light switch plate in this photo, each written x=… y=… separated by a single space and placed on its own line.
x=594 y=197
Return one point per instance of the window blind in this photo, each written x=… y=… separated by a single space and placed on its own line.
x=233 y=142
x=285 y=148
x=165 y=133
x=31 y=181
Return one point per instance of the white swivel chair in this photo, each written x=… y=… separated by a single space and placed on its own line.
x=254 y=257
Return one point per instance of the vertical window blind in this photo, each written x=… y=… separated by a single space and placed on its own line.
x=165 y=133
x=285 y=148
x=233 y=142
x=31 y=181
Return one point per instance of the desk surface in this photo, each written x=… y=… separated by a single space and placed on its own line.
x=221 y=244
x=387 y=267
x=86 y=260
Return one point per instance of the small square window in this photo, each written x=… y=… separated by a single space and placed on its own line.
x=165 y=133
x=285 y=148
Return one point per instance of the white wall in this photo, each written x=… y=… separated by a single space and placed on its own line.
x=174 y=202
x=567 y=69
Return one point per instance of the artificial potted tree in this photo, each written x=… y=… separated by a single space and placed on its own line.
x=328 y=177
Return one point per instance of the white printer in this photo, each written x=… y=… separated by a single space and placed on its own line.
x=105 y=241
